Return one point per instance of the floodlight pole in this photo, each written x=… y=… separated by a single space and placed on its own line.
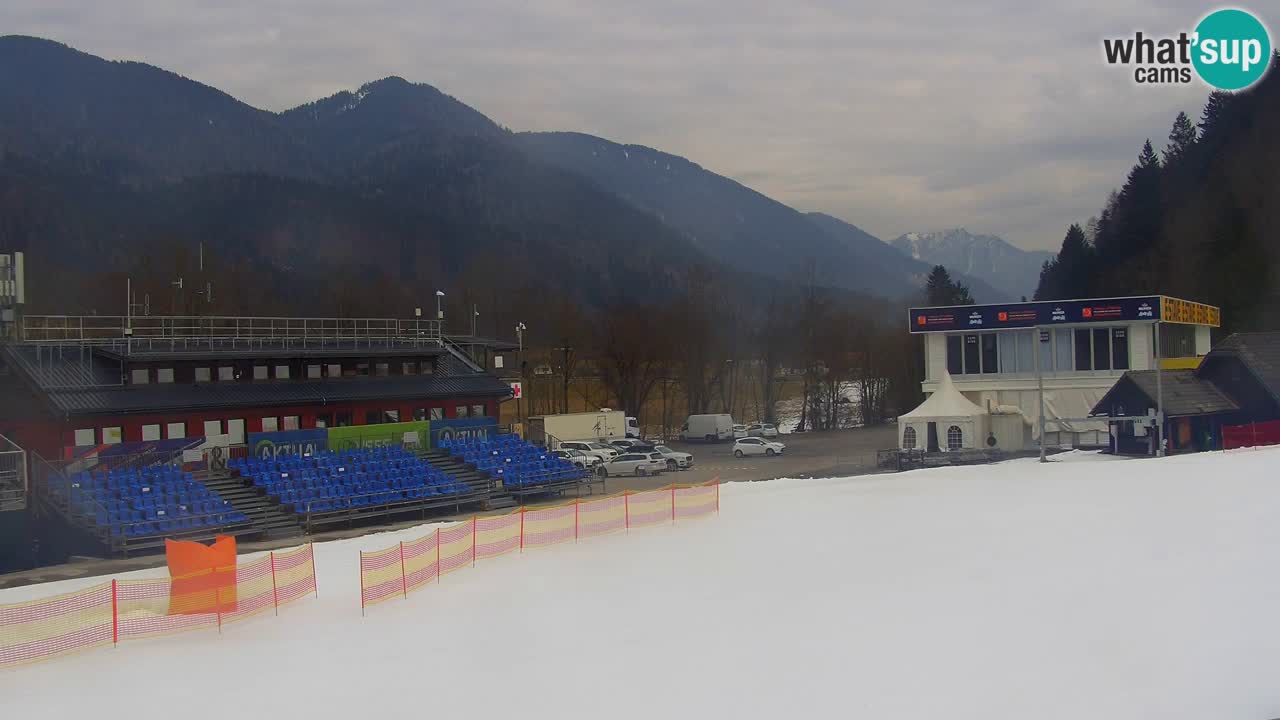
x=1040 y=390
x=1159 y=394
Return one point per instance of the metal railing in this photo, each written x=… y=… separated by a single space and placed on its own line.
x=13 y=476
x=197 y=332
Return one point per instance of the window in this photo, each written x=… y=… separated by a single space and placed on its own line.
x=955 y=356
x=323 y=420
x=235 y=431
x=85 y=437
x=226 y=374
x=460 y=411
x=334 y=370
x=270 y=424
x=390 y=416
x=1084 y=349
x=342 y=419
x=1008 y=353
x=382 y=369
x=955 y=438
x=428 y=367
x=1062 y=350
x=419 y=413
x=174 y=431
x=150 y=432
x=212 y=427
x=291 y=422
x=282 y=372
x=990 y=362
x=259 y=372
x=362 y=369
x=477 y=411
x=372 y=417
x=971 y=365
x=909 y=438
x=313 y=372
x=140 y=376
x=112 y=435
x=164 y=375
x=437 y=413
x=1025 y=341
x=409 y=368
x=1120 y=348
x=204 y=375
x=1101 y=348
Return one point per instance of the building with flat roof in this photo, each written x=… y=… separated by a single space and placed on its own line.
x=1000 y=356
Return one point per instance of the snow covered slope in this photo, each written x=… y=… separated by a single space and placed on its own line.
x=1107 y=589
x=1009 y=269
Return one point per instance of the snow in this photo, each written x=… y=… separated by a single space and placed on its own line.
x=1086 y=588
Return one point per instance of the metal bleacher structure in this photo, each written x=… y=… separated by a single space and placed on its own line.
x=130 y=504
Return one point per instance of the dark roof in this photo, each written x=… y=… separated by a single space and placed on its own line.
x=170 y=397
x=1258 y=351
x=480 y=341
x=1184 y=394
x=75 y=384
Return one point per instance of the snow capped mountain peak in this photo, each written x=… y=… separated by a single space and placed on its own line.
x=1007 y=268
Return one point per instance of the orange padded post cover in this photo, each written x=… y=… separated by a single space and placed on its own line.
x=202 y=578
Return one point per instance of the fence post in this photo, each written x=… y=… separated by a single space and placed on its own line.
x=576 y=501
x=673 y=503
x=717 y=482
x=473 y=541
x=1254 y=427
x=361 y=583
x=521 y=528
x=315 y=581
x=404 y=583
x=437 y=556
x=217 y=592
x=626 y=508
x=115 y=615
x=275 y=591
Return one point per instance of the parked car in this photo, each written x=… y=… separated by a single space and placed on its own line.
x=765 y=430
x=579 y=458
x=675 y=460
x=635 y=464
x=757 y=446
x=708 y=427
x=739 y=431
x=632 y=445
x=600 y=450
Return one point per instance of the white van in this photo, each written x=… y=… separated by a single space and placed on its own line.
x=711 y=428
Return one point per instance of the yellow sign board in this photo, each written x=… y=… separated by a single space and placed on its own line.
x=1173 y=310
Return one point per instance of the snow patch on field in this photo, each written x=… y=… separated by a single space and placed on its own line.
x=1088 y=587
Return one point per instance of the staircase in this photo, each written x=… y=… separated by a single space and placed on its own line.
x=268 y=517
x=480 y=483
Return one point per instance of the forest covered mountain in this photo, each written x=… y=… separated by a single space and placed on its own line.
x=1200 y=220
x=362 y=202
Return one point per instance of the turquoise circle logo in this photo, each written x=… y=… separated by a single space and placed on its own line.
x=1232 y=49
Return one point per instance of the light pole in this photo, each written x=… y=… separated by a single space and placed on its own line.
x=440 y=312
x=475 y=313
x=520 y=328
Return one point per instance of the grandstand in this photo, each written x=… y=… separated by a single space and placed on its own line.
x=330 y=487
x=519 y=467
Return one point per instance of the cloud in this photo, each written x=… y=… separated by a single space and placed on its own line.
x=999 y=116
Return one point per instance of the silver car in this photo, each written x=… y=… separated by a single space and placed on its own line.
x=636 y=464
x=675 y=460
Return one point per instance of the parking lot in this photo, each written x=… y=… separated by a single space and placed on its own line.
x=825 y=454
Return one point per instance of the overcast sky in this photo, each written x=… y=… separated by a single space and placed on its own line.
x=998 y=116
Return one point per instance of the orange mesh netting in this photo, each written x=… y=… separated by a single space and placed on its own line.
x=202 y=577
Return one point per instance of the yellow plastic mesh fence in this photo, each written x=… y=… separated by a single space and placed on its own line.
x=410 y=565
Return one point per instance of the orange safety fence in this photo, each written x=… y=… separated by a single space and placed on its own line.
x=119 y=610
x=409 y=565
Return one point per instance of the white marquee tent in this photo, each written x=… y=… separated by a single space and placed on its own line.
x=958 y=423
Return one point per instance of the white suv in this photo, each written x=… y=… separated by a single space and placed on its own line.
x=595 y=449
x=635 y=464
x=675 y=460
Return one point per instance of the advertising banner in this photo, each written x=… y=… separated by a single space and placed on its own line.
x=267 y=445
x=483 y=428
x=385 y=434
x=1022 y=315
